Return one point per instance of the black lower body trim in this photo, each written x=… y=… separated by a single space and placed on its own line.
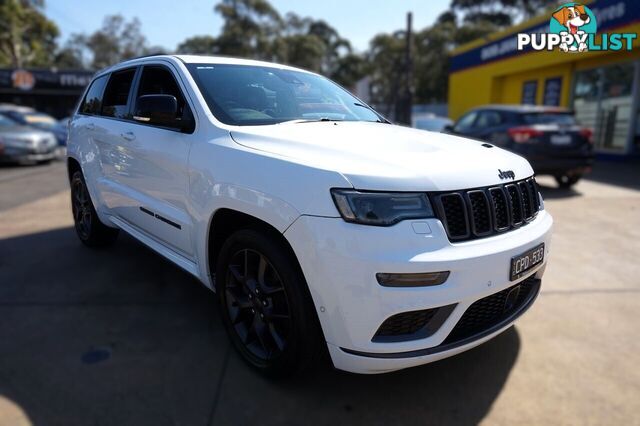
x=533 y=294
x=161 y=218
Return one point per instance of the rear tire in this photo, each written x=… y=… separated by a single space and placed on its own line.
x=90 y=230
x=567 y=181
x=265 y=304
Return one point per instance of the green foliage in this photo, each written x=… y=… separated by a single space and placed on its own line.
x=254 y=29
x=199 y=45
x=115 y=41
x=501 y=13
x=27 y=37
x=385 y=56
x=250 y=27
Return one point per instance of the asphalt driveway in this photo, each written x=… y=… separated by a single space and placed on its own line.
x=120 y=336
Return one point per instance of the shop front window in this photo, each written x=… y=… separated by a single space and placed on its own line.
x=603 y=100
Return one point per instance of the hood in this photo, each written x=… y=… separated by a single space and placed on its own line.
x=377 y=156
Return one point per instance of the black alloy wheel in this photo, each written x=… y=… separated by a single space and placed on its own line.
x=265 y=304
x=90 y=230
x=81 y=208
x=257 y=304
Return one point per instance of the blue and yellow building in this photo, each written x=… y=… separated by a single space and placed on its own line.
x=602 y=87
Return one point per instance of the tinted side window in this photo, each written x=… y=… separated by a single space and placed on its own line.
x=92 y=102
x=157 y=80
x=488 y=119
x=466 y=122
x=117 y=94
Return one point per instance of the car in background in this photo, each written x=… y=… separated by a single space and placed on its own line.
x=30 y=117
x=24 y=144
x=430 y=121
x=64 y=122
x=549 y=137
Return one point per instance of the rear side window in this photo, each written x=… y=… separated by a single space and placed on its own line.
x=116 y=94
x=488 y=119
x=550 y=118
x=92 y=102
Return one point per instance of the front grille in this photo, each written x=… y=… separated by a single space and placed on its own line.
x=406 y=323
x=453 y=207
x=491 y=310
x=482 y=212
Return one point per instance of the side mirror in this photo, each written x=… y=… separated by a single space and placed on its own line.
x=448 y=128
x=157 y=109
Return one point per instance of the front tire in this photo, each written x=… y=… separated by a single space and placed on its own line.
x=90 y=230
x=265 y=304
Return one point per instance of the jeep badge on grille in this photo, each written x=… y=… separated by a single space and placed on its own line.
x=506 y=174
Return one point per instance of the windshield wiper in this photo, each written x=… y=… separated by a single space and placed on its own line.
x=380 y=118
x=310 y=120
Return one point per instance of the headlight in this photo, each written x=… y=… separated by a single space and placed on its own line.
x=381 y=208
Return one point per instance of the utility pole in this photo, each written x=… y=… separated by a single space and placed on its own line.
x=405 y=101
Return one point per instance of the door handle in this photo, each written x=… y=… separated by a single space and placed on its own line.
x=128 y=136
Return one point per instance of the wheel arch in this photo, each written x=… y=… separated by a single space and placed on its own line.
x=73 y=166
x=225 y=221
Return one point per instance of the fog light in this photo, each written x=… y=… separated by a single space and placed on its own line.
x=412 y=280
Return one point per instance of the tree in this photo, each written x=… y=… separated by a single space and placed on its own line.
x=301 y=50
x=203 y=45
x=501 y=13
x=27 y=37
x=250 y=27
x=115 y=41
x=349 y=69
x=254 y=29
x=386 y=53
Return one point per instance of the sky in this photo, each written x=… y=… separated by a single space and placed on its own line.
x=166 y=23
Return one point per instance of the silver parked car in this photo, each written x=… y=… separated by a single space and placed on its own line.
x=24 y=144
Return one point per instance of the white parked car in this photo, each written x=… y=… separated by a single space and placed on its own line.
x=318 y=224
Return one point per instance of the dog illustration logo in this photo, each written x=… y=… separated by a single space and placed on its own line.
x=572 y=28
x=575 y=20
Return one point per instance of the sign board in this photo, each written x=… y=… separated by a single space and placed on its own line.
x=34 y=81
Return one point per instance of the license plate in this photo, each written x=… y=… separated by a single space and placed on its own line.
x=523 y=263
x=561 y=139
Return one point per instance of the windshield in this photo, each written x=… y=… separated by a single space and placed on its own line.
x=247 y=95
x=564 y=119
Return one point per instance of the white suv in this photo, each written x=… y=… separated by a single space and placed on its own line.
x=318 y=223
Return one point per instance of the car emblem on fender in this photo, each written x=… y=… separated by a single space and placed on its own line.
x=506 y=174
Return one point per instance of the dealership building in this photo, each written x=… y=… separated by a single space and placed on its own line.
x=602 y=87
x=55 y=92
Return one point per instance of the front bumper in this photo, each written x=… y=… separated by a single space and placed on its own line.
x=340 y=261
